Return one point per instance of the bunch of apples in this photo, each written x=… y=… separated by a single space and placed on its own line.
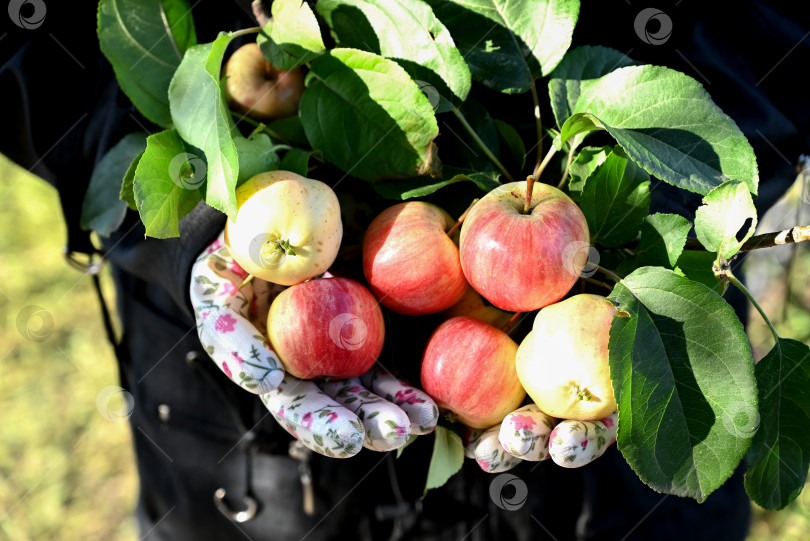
x=513 y=250
x=519 y=248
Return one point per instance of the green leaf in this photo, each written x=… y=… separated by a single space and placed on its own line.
x=668 y=124
x=256 y=155
x=780 y=450
x=578 y=65
x=416 y=187
x=574 y=129
x=126 y=194
x=509 y=44
x=167 y=182
x=407 y=32
x=411 y=439
x=697 y=266
x=292 y=38
x=447 y=458
x=202 y=119
x=297 y=160
x=682 y=370
x=512 y=141
x=144 y=42
x=102 y=210
x=368 y=117
x=615 y=200
x=663 y=237
x=724 y=212
x=583 y=165
x=291 y=129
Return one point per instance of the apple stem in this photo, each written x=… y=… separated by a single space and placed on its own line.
x=529 y=188
x=461 y=218
x=246 y=31
x=508 y=327
x=564 y=178
x=538 y=121
x=538 y=170
x=596 y=282
x=246 y=281
x=260 y=126
x=610 y=274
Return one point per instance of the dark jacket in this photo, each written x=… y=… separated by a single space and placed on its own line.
x=195 y=432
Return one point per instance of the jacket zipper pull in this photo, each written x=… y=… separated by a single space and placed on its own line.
x=302 y=455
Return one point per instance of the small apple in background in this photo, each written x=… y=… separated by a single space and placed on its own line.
x=287 y=227
x=410 y=263
x=563 y=362
x=468 y=368
x=326 y=327
x=521 y=261
x=256 y=88
x=473 y=305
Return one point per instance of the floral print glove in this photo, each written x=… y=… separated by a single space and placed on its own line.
x=530 y=434
x=336 y=418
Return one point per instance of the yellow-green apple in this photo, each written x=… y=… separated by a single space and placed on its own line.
x=472 y=304
x=521 y=261
x=563 y=362
x=409 y=261
x=287 y=227
x=326 y=327
x=468 y=368
x=256 y=88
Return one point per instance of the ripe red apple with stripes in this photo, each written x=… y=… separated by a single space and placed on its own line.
x=524 y=252
x=468 y=368
x=410 y=262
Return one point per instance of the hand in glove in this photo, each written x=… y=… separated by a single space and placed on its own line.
x=529 y=434
x=336 y=418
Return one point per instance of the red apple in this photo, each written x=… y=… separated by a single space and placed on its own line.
x=326 y=327
x=255 y=87
x=409 y=261
x=468 y=368
x=524 y=261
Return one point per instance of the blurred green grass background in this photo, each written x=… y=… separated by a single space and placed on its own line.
x=66 y=472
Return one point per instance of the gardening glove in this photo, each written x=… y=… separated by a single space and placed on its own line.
x=529 y=434
x=334 y=418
